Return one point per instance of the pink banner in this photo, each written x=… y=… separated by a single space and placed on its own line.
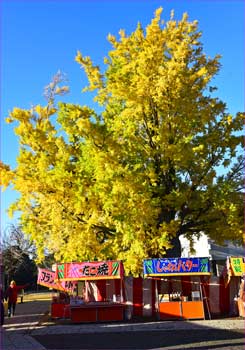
x=89 y=270
x=46 y=278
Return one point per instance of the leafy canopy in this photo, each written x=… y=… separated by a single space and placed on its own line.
x=127 y=182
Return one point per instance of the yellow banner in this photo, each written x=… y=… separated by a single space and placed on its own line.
x=237 y=266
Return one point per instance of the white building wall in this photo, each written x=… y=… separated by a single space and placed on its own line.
x=205 y=247
x=201 y=247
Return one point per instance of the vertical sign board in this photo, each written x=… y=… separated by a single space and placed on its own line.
x=237 y=266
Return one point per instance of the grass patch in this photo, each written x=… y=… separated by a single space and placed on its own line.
x=38 y=296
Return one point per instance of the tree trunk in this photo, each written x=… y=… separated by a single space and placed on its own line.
x=174 y=252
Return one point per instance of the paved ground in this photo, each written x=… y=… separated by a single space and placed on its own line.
x=31 y=326
x=16 y=331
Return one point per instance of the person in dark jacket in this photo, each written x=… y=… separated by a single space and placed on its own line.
x=2 y=306
x=12 y=295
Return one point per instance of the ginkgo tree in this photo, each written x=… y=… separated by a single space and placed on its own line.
x=161 y=159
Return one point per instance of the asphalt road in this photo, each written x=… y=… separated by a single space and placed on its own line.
x=148 y=340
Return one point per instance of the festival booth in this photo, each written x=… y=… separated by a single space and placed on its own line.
x=234 y=279
x=241 y=298
x=178 y=296
x=91 y=303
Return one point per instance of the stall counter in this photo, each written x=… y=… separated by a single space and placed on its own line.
x=97 y=312
x=181 y=310
x=60 y=310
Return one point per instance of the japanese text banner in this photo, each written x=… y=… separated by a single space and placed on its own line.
x=176 y=266
x=46 y=278
x=237 y=266
x=89 y=270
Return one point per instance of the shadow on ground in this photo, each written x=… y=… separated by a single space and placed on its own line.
x=201 y=339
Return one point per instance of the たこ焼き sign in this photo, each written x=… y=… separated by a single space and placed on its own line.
x=89 y=270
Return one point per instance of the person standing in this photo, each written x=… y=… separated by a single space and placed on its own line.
x=2 y=306
x=12 y=295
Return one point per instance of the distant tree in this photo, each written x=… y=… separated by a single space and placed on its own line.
x=21 y=270
x=127 y=182
x=48 y=261
x=18 y=254
x=14 y=236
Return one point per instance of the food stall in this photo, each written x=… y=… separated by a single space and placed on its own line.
x=235 y=277
x=85 y=306
x=174 y=302
x=241 y=298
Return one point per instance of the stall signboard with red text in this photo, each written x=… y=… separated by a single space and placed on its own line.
x=176 y=266
x=89 y=270
x=46 y=278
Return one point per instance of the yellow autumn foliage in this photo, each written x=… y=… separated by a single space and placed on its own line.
x=126 y=182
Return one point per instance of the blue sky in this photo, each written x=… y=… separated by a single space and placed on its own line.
x=38 y=38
